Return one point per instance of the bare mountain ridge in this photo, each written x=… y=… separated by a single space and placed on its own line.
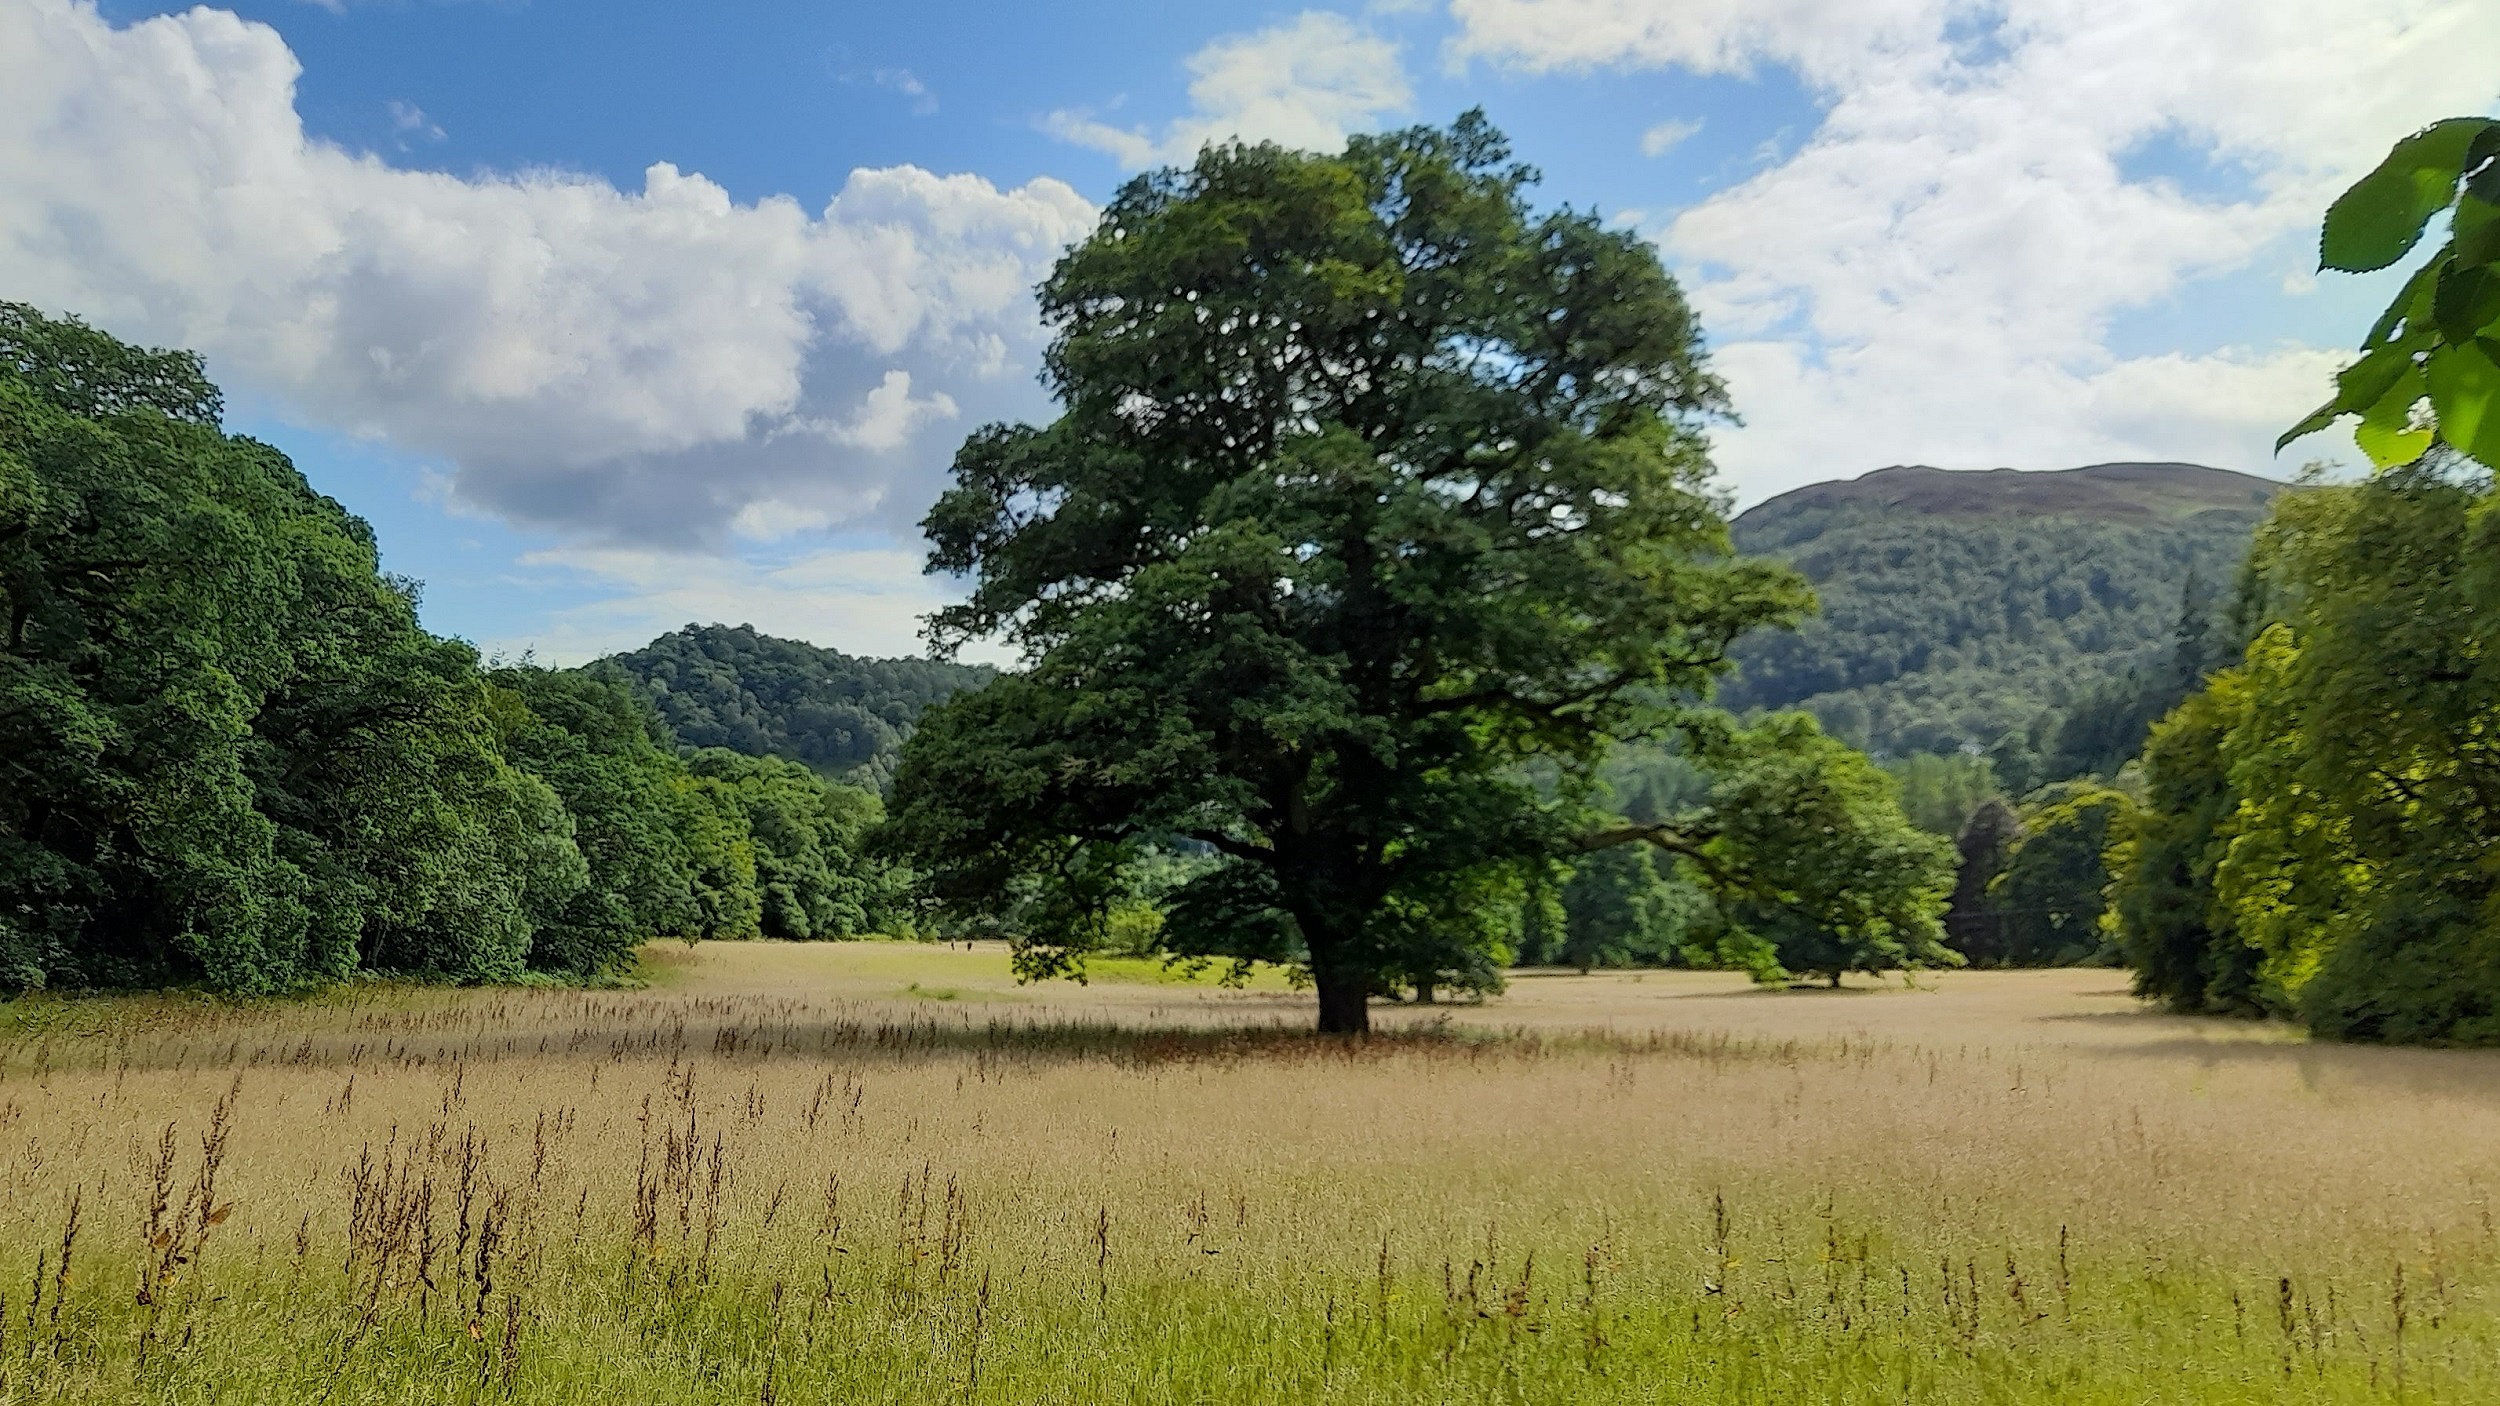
x=2147 y=492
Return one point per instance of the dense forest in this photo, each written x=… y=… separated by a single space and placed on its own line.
x=230 y=755
x=2318 y=833
x=844 y=716
x=2034 y=617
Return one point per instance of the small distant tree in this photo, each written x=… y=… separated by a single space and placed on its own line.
x=1973 y=925
x=1372 y=487
x=1817 y=818
x=2180 y=941
x=2053 y=889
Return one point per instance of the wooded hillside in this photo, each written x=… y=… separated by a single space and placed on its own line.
x=1959 y=608
x=843 y=715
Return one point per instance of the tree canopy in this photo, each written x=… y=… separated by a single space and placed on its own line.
x=230 y=755
x=1371 y=486
x=2319 y=839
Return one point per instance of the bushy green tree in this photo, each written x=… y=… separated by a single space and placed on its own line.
x=1941 y=793
x=2181 y=942
x=2053 y=890
x=1619 y=907
x=812 y=876
x=1836 y=879
x=228 y=754
x=2368 y=784
x=1973 y=924
x=632 y=804
x=1371 y=486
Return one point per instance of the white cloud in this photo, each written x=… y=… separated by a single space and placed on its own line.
x=626 y=364
x=1937 y=273
x=408 y=119
x=908 y=84
x=1304 y=84
x=1666 y=136
x=865 y=601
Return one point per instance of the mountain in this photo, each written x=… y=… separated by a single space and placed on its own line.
x=844 y=716
x=2014 y=611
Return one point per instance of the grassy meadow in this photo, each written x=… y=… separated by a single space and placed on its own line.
x=879 y=1172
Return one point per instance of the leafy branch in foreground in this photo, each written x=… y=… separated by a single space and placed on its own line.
x=2429 y=372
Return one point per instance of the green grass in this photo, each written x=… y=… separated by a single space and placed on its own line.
x=929 y=1320
x=772 y=1178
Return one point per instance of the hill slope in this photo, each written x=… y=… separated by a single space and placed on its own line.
x=1963 y=606
x=845 y=716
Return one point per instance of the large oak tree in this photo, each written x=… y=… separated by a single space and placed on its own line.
x=1376 y=513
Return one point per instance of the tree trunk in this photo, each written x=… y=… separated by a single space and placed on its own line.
x=1344 y=1003
x=1835 y=981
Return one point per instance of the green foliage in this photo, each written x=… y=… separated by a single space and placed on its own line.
x=1972 y=924
x=2429 y=371
x=2047 y=642
x=845 y=717
x=1835 y=878
x=2183 y=946
x=714 y=844
x=2050 y=896
x=2319 y=835
x=590 y=740
x=1940 y=794
x=1621 y=907
x=807 y=836
x=1372 y=486
x=227 y=752
x=229 y=755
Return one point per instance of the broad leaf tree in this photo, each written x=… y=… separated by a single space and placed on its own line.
x=1371 y=486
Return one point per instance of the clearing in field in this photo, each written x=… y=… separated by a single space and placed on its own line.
x=866 y=1172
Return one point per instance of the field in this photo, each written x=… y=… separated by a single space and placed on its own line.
x=867 y=1172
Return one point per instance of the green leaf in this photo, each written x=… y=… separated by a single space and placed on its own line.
x=2482 y=166
x=2411 y=304
x=2380 y=219
x=2315 y=421
x=2390 y=447
x=2465 y=395
x=2387 y=432
x=2468 y=301
x=2475 y=233
x=2365 y=383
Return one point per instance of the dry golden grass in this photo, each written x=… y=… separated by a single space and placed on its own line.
x=867 y=1171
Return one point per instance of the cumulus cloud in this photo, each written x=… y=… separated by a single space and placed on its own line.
x=632 y=365
x=1936 y=274
x=1307 y=84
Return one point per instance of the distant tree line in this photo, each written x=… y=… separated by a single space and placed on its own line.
x=229 y=754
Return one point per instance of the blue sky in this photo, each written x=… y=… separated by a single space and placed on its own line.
x=614 y=316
